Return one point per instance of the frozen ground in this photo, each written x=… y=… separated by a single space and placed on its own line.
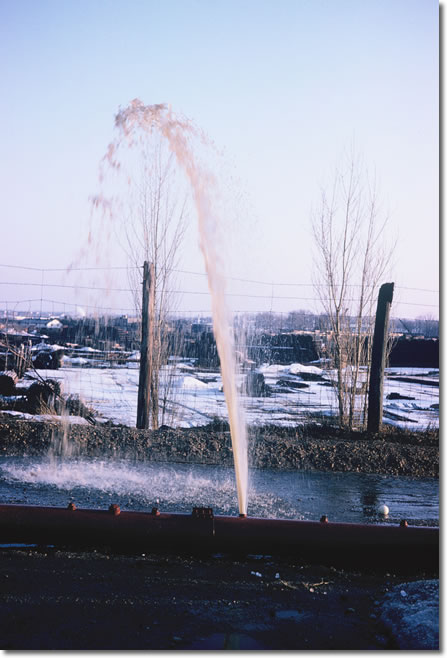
x=195 y=398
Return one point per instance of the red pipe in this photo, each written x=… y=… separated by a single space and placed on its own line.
x=416 y=548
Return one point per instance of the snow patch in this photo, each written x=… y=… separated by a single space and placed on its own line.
x=74 y=361
x=298 y=368
x=191 y=382
x=47 y=418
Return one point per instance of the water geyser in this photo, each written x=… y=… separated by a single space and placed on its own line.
x=178 y=132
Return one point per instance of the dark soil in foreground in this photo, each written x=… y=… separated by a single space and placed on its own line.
x=310 y=447
x=63 y=600
x=54 y=599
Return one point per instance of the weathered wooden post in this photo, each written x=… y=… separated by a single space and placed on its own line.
x=147 y=315
x=378 y=357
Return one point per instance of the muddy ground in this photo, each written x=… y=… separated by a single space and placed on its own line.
x=310 y=447
x=63 y=600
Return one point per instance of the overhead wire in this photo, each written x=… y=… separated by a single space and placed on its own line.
x=67 y=270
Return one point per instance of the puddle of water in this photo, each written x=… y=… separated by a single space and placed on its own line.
x=290 y=615
x=95 y=483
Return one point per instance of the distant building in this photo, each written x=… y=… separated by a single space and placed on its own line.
x=54 y=325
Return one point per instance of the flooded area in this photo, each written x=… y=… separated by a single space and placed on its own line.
x=139 y=486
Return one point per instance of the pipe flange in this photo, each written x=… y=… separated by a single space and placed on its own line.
x=114 y=509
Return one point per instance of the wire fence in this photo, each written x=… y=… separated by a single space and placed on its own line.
x=289 y=393
x=74 y=290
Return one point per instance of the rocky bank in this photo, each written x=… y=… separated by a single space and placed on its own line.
x=310 y=447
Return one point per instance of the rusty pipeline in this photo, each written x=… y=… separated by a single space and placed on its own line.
x=351 y=544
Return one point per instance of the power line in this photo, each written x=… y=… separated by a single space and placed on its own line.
x=67 y=270
x=63 y=303
x=134 y=310
x=194 y=292
x=63 y=285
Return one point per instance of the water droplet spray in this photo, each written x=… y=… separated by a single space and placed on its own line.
x=177 y=132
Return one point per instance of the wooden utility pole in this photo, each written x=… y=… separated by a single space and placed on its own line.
x=378 y=357
x=147 y=339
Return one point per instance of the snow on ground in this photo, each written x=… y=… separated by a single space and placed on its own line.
x=298 y=369
x=196 y=398
x=74 y=361
x=190 y=383
x=46 y=418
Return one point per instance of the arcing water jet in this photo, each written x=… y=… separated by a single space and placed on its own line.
x=177 y=133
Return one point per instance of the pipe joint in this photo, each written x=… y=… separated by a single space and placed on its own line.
x=202 y=513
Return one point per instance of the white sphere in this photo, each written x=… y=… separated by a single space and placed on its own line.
x=383 y=509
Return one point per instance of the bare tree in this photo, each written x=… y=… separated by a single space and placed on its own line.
x=154 y=229
x=427 y=326
x=350 y=261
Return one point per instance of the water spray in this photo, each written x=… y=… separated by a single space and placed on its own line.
x=178 y=133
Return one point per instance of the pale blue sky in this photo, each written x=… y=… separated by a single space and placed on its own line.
x=282 y=86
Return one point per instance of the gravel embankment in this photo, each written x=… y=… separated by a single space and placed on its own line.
x=313 y=447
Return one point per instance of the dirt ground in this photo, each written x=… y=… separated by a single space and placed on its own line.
x=62 y=600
